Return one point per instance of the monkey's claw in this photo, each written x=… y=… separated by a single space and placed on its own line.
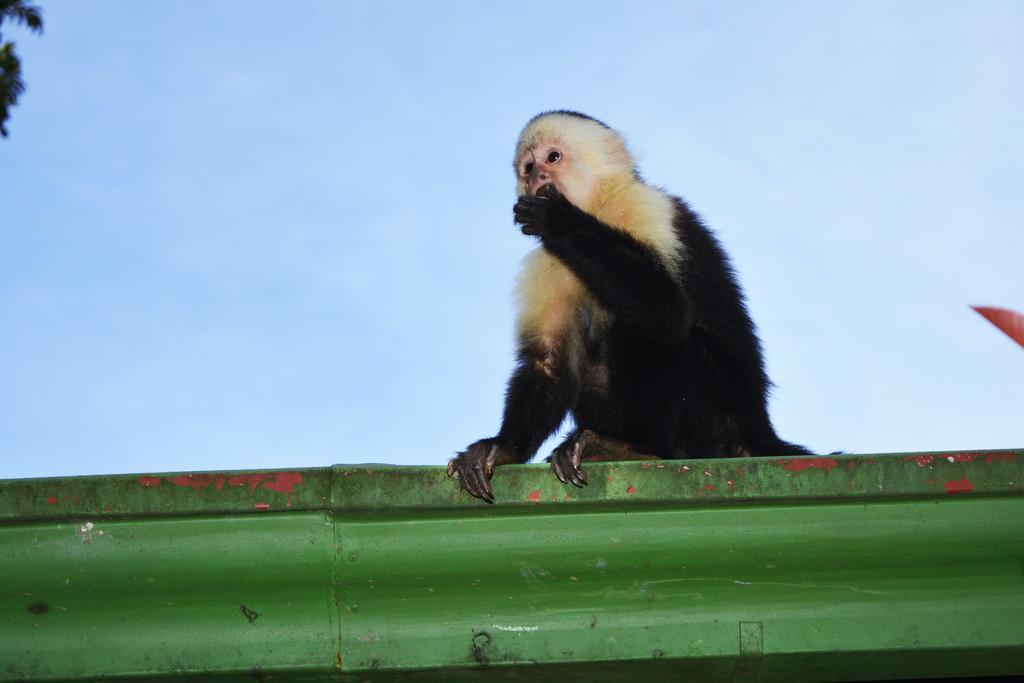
x=475 y=466
x=566 y=461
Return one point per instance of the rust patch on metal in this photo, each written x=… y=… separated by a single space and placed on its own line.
x=631 y=489
x=38 y=608
x=480 y=646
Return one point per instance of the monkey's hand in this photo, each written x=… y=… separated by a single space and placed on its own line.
x=546 y=215
x=475 y=466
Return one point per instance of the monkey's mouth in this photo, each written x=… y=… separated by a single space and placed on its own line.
x=544 y=190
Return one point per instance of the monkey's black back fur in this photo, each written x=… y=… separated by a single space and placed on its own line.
x=724 y=382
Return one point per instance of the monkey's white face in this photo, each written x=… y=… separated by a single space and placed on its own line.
x=555 y=162
x=540 y=166
x=573 y=155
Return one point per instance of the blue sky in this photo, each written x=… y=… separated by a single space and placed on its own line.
x=252 y=235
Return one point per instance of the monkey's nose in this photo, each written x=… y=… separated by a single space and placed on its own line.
x=538 y=181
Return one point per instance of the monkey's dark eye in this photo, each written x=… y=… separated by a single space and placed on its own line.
x=554 y=156
x=528 y=168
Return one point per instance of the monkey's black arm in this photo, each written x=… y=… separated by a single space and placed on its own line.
x=623 y=274
x=540 y=392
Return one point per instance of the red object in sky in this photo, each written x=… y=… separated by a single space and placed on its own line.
x=1010 y=322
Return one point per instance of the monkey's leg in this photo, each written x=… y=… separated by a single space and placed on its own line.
x=586 y=444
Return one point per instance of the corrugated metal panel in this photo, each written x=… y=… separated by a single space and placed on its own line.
x=835 y=568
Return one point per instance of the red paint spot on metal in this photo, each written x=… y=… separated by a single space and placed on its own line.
x=195 y=481
x=262 y=506
x=250 y=480
x=989 y=458
x=709 y=487
x=801 y=464
x=610 y=477
x=959 y=486
x=282 y=482
x=533 y=497
x=921 y=460
x=631 y=489
x=52 y=500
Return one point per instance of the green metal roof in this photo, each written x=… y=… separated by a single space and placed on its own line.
x=813 y=568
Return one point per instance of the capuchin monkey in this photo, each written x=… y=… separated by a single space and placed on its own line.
x=630 y=318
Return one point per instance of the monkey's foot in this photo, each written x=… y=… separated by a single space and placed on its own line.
x=566 y=460
x=586 y=444
x=475 y=466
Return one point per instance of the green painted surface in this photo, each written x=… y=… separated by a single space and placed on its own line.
x=839 y=568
